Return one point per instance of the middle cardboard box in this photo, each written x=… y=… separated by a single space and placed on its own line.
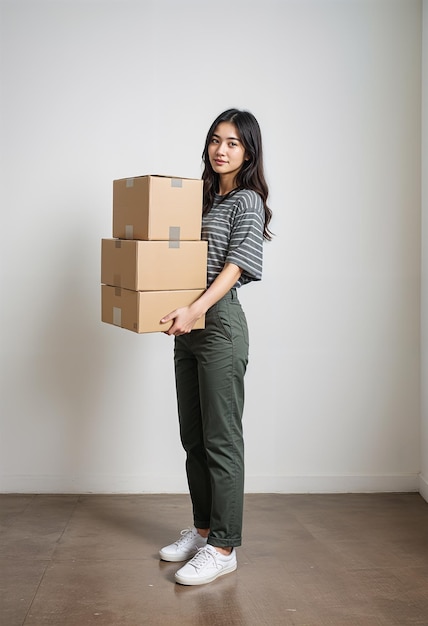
x=154 y=265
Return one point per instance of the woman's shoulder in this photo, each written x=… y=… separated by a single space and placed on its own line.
x=249 y=199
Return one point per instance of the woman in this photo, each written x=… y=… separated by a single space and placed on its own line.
x=210 y=364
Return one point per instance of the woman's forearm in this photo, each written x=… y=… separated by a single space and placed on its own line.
x=186 y=317
x=218 y=288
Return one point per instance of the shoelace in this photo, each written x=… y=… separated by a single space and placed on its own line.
x=186 y=535
x=202 y=557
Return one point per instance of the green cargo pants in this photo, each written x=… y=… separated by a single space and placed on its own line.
x=210 y=366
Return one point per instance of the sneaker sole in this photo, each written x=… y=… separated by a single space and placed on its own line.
x=176 y=558
x=182 y=580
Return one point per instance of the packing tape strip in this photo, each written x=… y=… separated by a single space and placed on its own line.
x=176 y=182
x=129 y=182
x=174 y=237
x=117 y=280
x=129 y=231
x=117 y=316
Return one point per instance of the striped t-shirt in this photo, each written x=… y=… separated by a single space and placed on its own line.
x=233 y=228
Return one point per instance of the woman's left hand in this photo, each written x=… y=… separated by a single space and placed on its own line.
x=183 y=321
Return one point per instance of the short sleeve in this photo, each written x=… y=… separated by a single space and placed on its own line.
x=246 y=241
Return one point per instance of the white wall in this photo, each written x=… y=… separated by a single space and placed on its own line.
x=423 y=482
x=97 y=90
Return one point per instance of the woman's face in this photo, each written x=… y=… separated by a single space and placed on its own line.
x=225 y=150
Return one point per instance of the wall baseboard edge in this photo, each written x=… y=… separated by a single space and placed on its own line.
x=423 y=487
x=86 y=484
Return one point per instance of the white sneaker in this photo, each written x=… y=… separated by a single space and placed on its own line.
x=206 y=566
x=185 y=547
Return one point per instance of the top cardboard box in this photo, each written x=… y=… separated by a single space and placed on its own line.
x=157 y=208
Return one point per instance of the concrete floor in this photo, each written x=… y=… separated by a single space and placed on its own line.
x=307 y=560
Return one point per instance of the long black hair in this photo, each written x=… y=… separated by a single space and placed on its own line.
x=251 y=175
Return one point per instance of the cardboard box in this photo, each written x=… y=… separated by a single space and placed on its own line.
x=154 y=265
x=140 y=311
x=157 y=208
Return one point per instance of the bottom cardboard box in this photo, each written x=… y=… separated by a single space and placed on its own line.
x=140 y=311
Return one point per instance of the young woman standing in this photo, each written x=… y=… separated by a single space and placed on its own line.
x=210 y=364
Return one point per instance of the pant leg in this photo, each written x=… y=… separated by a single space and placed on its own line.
x=191 y=431
x=221 y=352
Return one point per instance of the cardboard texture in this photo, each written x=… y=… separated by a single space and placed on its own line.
x=154 y=265
x=157 y=208
x=140 y=311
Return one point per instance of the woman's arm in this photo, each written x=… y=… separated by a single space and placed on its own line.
x=186 y=317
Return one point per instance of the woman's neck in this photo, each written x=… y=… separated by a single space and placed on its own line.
x=226 y=185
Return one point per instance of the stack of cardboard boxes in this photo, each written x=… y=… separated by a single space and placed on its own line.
x=156 y=261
